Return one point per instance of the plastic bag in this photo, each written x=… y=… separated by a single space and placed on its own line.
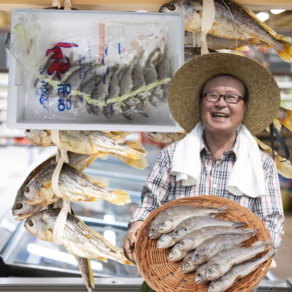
x=104 y=70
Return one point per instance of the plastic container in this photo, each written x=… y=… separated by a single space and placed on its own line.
x=105 y=38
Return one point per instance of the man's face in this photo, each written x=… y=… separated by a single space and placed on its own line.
x=234 y=113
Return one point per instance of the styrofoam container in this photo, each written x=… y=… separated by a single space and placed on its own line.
x=25 y=112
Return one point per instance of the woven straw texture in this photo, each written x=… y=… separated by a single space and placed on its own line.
x=185 y=87
x=163 y=275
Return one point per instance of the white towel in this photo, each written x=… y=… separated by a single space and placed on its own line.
x=246 y=177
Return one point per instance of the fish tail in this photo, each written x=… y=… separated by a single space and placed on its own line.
x=286 y=118
x=91 y=278
x=136 y=146
x=120 y=198
x=286 y=52
x=139 y=164
x=133 y=153
x=124 y=260
x=103 y=259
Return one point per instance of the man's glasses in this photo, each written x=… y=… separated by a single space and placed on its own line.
x=229 y=98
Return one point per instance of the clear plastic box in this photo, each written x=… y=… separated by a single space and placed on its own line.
x=24 y=110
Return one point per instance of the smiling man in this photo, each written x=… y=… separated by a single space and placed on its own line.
x=222 y=100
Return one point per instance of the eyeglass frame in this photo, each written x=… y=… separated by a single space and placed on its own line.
x=224 y=95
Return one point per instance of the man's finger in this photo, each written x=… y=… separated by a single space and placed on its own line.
x=127 y=250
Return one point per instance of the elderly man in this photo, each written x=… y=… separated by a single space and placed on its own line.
x=222 y=100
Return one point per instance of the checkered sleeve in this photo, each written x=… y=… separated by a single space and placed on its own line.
x=269 y=207
x=157 y=187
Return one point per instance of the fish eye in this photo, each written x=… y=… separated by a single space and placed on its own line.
x=197 y=255
x=161 y=239
x=186 y=264
x=171 y=7
x=210 y=271
x=213 y=287
x=27 y=189
x=163 y=224
x=153 y=230
x=30 y=223
x=27 y=131
x=199 y=275
x=173 y=252
x=182 y=243
x=177 y=233
x=18 y=206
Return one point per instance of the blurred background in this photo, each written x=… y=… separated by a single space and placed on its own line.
x=23 y=255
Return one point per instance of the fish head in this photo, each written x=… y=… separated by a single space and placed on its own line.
x=39 y=137
x=216 y=286
x=188 y=266
x=179 y=233
x=213 y=272
x=154 y=233
x=157 y=137
x=166 y=226
x=188 y=8
x=32 y=191
x=186 y=244
x=37 y=227
x=201 y=256
x=176 y=255
x=165 y=241
x=172 y=7
x=200 y=277
x=21 y=210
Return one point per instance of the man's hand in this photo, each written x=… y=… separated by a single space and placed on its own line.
x=130 y=239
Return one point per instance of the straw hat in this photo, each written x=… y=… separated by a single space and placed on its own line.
x=264 y=93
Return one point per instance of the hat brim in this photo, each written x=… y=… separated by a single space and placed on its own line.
x=185 y=87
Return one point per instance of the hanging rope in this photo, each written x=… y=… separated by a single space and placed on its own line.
x=61 y=157
x=57 y=3
x=67 y=5
x=207 y=23
x=200 y=38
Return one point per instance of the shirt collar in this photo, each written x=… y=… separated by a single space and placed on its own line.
x=234 y=149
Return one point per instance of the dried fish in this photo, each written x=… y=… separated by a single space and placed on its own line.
x=232 y=21
x=73 y=184
x=221 y=263
x=78 y=238
x=237 y=272
x=171 y=223
x=20 y=207
x=195 y=223
x=216 y=244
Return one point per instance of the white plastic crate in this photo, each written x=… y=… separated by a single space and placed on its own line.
x=24 y=110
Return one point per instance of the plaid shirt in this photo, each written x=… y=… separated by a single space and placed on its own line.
x=161 y=187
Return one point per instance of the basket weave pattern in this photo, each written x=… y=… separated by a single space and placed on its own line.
x=163 y=275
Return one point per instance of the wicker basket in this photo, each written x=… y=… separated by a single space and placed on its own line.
x=163 y=275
